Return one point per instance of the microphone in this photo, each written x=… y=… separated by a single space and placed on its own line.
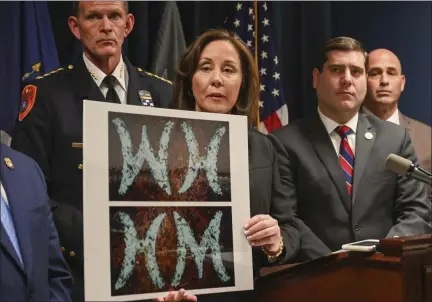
x=405 y=167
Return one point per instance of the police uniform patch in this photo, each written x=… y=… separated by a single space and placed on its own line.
x=146 y=99
x=28 y=98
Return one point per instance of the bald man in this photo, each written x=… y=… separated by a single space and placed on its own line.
x=385 y=85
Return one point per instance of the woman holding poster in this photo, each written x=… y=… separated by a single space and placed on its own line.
x=218 y=74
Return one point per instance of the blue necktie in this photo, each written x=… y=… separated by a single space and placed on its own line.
x=6 y=219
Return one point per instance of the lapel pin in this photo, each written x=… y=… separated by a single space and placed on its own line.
x=8 y=163
x=368 y=135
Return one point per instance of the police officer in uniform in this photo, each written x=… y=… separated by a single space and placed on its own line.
x=50 y=126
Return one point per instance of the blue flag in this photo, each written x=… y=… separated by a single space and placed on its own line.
x=28 y=51
x=273 y=109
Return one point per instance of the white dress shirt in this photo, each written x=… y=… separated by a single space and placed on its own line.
x=120 y=73
x=331 y=125
x=394 y=118
x=3 y=194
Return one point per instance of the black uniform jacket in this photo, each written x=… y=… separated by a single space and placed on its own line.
x=51 y=133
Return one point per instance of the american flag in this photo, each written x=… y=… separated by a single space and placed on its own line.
x=273 y=109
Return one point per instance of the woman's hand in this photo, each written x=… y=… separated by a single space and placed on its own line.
x=263 y=230
x=177 y=296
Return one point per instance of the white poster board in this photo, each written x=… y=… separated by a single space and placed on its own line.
x=166 y=196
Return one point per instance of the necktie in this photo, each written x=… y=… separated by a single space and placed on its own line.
x=111 y=95
x=9 y=227
x=346 y=156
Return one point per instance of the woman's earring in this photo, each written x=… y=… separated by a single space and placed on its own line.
x=190 y=93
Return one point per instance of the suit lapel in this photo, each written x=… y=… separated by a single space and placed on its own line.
x=6 y=244
x=406 y=123
x=133 y=84
x=323 y=146
x=19 y=212
x=84 y=86
x=363 y=148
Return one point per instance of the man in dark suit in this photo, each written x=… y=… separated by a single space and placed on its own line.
x=51 y=118
x=32 y=267
x=386 y=83
x=333 y=163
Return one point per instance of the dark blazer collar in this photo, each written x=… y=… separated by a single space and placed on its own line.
x=405 y=122
x=365 y=138
x=323 y=146
x=18 y=204
x=83 y=84
x=321 y=142
x=133 y=84
x=86 y=88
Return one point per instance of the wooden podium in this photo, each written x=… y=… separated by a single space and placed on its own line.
x=400 y=271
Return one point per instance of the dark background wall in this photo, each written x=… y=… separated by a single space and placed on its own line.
x=406 y=29
x=300 y=29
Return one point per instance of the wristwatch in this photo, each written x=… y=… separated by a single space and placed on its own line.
x=271 y=257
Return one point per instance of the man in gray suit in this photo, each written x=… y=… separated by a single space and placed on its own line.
x=385 y=85
x=333 y=163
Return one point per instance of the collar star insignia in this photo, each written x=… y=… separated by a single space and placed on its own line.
x=122 y=71
x=93 y=75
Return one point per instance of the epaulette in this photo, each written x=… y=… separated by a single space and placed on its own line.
x=155 y=76
x=53 y=72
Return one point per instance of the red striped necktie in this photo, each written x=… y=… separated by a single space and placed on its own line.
x=346 y=156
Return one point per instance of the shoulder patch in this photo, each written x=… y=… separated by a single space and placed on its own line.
x=155 y=76
x=28 y=98
x=51 y=72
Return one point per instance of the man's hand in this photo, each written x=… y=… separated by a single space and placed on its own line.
x=263 y=230
x=177 y=296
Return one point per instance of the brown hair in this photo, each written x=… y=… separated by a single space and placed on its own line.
x=247 y=102
x=76 y=8
x=341 y=43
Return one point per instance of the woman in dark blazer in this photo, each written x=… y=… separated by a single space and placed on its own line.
x=218 y=74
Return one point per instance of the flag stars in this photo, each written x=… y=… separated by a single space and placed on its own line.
x=265 y=6
x=275 y=92
x=239 y=6
x=249 y=43
x=262 y=87
x=264 y=38
x=237 y=23
x=263 y=71
x=261 y=104
x=263 y=55
x=275 y=60
x=250 y=11
x=266 y=22
x=276 y=76
x=250 y=27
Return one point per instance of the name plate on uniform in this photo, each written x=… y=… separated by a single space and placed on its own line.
x=77 y=145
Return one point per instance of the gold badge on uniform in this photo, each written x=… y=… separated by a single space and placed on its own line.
x=8 y=163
